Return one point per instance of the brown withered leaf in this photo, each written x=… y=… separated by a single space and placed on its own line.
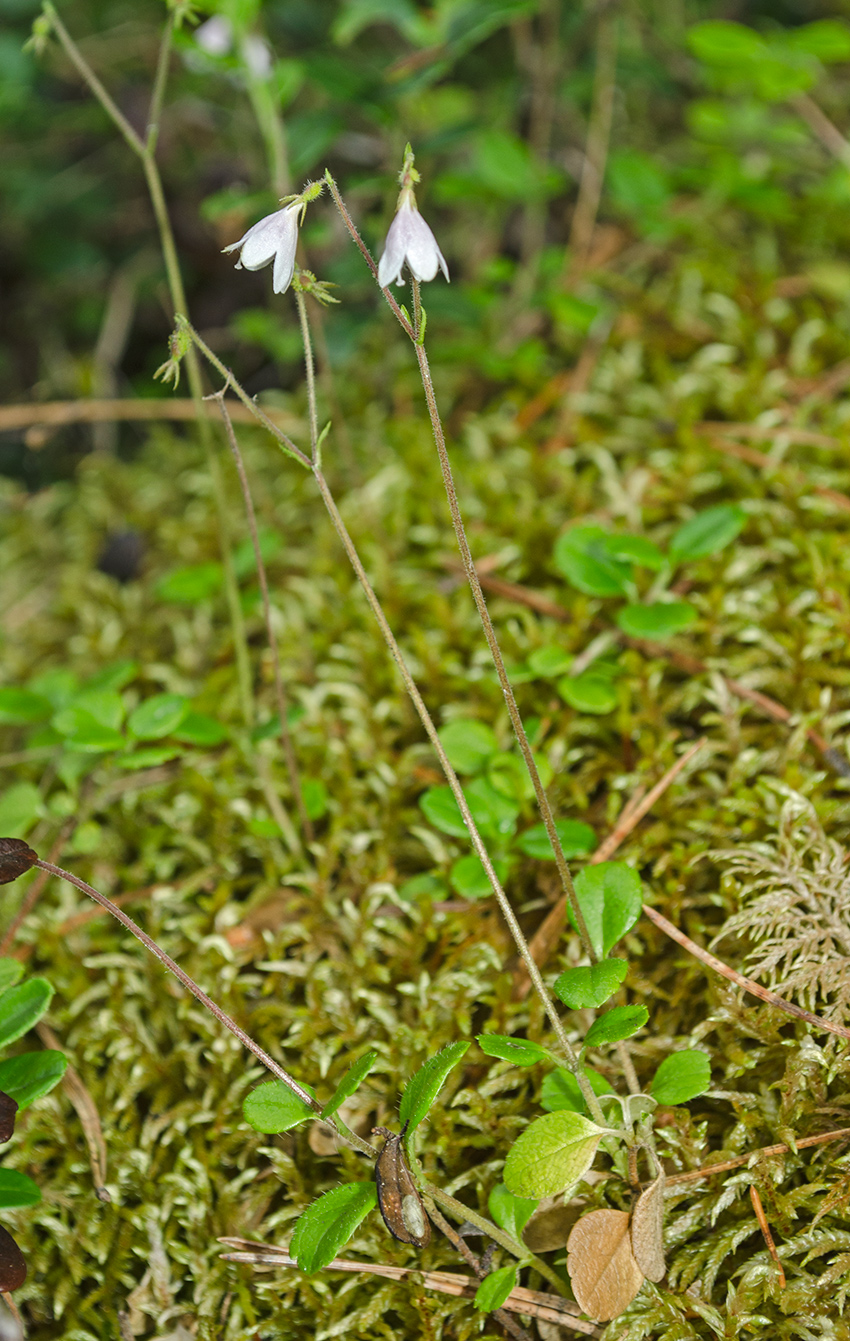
x=16 y=856
x=549 y=1226
x=647 y=1230
x=8 y=1113
x=603 y=1272
x=13 y=1268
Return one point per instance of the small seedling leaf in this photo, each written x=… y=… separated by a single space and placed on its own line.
x=471 y=881
x=422 y=1088
x=519 y=1051
x=495 y=1288
x=349 y=1083
x=589 y=692
x=647 y=1230
x=468 y=744
x=20 y=707
x=16 y=1189
x=560 y=1090
x=582 y=556
x=188 y=586
x=20 y=807
x=328 y=1224
x=577 y=839
x=609 y=895
x=660 y=620
x=272 y=1107
x=707 y=533
x=593 y=985
x=603 y=1272
x=551 y=1154
x=636 y=549
x=680 y=1077
x=158 y=716
x=21 y=1007
x=199 y=729
x=509 y=1212
x=440 y=807
x=616 y=1024
x=26 y=1077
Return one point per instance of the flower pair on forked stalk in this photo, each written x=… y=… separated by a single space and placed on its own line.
x=409 y=240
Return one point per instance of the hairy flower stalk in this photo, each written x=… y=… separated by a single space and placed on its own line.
x=409 y=240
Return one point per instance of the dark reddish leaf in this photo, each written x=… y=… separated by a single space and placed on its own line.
x=13 y=1268
x=15 y=858
x=8 y=1111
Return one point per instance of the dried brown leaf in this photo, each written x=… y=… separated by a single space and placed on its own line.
x=603 y=1272
x=647 y=1230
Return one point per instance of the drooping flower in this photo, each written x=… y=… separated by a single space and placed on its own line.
x=409 y=239
x=273 y=238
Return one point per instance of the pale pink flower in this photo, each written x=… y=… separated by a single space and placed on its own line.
x=273 y=238
x=410 y=240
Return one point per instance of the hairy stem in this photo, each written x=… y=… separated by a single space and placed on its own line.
x=490 y=633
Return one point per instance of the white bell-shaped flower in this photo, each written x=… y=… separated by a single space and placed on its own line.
x=273 y=238
x=410 y=240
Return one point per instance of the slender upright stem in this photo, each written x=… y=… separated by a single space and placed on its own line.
x=490 y=633
x=280 y=691
x=310 y=373
x=271 y=127
x=145 y=150
x=570 y=1057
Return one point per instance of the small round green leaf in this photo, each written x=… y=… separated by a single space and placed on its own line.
x=26 y=1077
x=315 y=795
x=424 y=1086
x=577 y=839
x=495 y=1288
x=188 y=586
x=681 y=1076
x=707 y=532
x=588 y=692
x=660 y=620
x=550 y=660
x=551 y=1154
x=470 y=880
x=581 y=555
x=518 y=1051
x=16 y=1189
x=440 y=807
x=468 y=744
x=616 y=1024
x=590 y=986
x=21 y=1007
x=509 y=1212
x=198 y=729
x=609 y=896
x=158 y=716
x=272 y=1107
x=21 y=707
x=85 y=733
x=150 y=758
x=328 y=1224
x=635 y=549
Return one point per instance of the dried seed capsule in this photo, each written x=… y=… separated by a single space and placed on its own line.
x=398 y=1199
x=16 y=856
x=8 y=1113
